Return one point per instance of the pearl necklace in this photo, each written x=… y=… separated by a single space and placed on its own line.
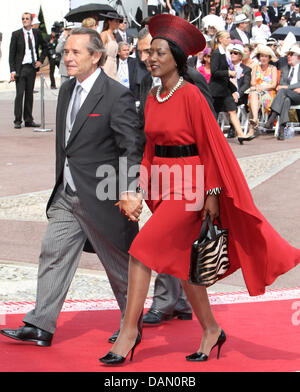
x=161 y=100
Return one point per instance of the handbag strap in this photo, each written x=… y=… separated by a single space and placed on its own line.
x=207 y=225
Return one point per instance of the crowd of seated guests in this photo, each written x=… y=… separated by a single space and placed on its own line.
x=244 y=58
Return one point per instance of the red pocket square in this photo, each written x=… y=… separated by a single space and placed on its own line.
x=94 y=115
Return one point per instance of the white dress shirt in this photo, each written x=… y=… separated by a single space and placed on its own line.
x=153 y=2
x=295 y=75
x=123 y=72
x=27 y=58
x=123 y=35
x=86 y=85
x=243 y=36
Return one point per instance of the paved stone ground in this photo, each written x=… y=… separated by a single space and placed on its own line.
x=272 y=170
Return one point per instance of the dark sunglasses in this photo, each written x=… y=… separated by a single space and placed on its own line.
x=235 y=53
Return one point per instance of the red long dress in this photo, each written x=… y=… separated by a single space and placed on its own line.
x=164 y=242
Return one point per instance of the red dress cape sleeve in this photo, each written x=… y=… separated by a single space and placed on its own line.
x=253 y=244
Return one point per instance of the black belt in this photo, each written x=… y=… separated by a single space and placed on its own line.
x=187 y=150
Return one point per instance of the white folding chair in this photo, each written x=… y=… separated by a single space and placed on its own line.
x=297 y=107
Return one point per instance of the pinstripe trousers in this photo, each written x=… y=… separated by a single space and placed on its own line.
x=68 y=228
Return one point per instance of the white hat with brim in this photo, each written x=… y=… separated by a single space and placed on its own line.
x=294 y=49
x=264 y=49
x=237 y=48
x=241 y=18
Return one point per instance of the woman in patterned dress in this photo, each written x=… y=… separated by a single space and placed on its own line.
x=263 y=85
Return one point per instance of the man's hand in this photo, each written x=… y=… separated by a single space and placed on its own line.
x=13 y=77
x=131 y=205
x=38 y=64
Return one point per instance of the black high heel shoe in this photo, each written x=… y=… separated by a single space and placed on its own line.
x=115 y=359
x=246 y=139
x=200 y=357
x=249 y=138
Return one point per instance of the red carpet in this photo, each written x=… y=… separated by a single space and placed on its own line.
x=262 y=336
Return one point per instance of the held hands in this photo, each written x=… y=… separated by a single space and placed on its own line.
x=131 y=205
x=211 y=207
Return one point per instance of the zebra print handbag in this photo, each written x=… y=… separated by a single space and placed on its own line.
x=209 y=256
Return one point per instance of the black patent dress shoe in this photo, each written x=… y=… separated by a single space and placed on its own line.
x=17 y=125
x=29 y=333
x=114 y=337
x=32 y=125
x=183 y=315
x=155 y=317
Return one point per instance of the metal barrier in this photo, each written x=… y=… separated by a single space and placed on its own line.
x=42 y=96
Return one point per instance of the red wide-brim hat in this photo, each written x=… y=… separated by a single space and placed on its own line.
x=179 y=31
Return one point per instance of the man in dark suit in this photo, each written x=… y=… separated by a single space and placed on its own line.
x=242 y=80
x=291 y=15
x=243 y=74
x=97 y=143
x=24 y=62
x=126 y=67
x=288 y=91
x=122 y=35
x=169 y=300
x=229 y=25
x=274 y=13
x=240 y=31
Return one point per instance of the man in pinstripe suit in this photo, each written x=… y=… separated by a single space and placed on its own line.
x=96 y=124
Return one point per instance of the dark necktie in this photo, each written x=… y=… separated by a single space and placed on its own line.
x=31 y=49
x=291 y=75
x=76 y=104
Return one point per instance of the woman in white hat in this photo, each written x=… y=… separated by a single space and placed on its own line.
x=263 y=84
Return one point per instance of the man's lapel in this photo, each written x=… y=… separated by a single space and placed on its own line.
x=22 y=38
x=88 y=106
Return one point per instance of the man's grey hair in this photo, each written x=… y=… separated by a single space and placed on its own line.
x=143 y=33
x=121 y=44
x=95 y=44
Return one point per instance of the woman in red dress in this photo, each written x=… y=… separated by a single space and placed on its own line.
x=183 y=133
